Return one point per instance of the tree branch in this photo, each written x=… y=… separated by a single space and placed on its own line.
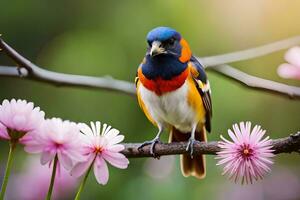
x=247 y=54
x=256 y=82
x=282 y=145
x=13 y=71
x=29 y=70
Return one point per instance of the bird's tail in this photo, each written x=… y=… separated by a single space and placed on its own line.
x=190 y=166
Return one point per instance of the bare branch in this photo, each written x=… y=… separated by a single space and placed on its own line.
x=29 y=70
x=13 y=71
x=283 y=145
x=258 y=83
x=59 y=79
x=250 y=53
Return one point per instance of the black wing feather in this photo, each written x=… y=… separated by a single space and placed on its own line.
x=206 y=98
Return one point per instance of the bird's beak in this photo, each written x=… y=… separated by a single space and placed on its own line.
x=156 y=49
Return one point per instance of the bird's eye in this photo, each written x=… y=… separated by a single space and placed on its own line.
x=171 y=41
x=149 y=43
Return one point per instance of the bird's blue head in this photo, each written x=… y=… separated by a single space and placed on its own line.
x=162 y=34
x=164 y=41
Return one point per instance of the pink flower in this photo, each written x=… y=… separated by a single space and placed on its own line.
x=18 y=119
x=57 y=137
x=248 y=156
x=292 y=68
x=33 y=182
x=99 y=148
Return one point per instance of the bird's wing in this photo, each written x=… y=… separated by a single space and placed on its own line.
x=203 y=87
x=136 y=80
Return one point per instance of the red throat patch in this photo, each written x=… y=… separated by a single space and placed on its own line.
x=161 y=86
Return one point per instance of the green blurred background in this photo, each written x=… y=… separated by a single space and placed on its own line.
x=101 y=38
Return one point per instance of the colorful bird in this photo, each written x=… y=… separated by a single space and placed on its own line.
x=174 y=93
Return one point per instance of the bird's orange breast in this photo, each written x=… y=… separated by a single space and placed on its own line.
x=161 y=86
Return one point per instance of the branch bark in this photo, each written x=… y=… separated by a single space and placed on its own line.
x=282 y=145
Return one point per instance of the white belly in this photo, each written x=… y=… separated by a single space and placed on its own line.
x=171 y=108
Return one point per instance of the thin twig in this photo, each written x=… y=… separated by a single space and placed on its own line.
x=250 y=53
x=282 y=145
x=258 y=83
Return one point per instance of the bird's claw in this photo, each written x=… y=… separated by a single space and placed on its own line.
x=152 y=147
x=190 y=147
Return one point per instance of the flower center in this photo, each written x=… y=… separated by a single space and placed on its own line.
x=98 y=149
x=58 y=145
x=15 y=135
x=246 y=151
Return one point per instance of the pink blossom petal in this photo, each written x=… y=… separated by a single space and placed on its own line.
x=227 y=141
x=112 y=133
x=232 y=136
x=3 y=132
x=116 y=148
x=47 y=156
x=85 y=129
x=116 y=159
x=98 y=127
x=34 y=148
x=75 y=156
x=226 y=160
x=65 y=160
x=237 y=132
x=94 y=129
x=292 y=56
x=27 y=138
x=101 y=171
x=265 y=160
x=244 y=131
x=265 y=143
x=116 y=140
x=19 y=120
x=81 y=167
x=288 y=71
x=256 y=132
x=248 y=130
x=105 y=129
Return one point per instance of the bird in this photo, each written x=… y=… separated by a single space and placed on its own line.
x=174 y=93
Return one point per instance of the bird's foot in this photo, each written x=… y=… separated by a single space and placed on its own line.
x=152 y=147
x=190 y=147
